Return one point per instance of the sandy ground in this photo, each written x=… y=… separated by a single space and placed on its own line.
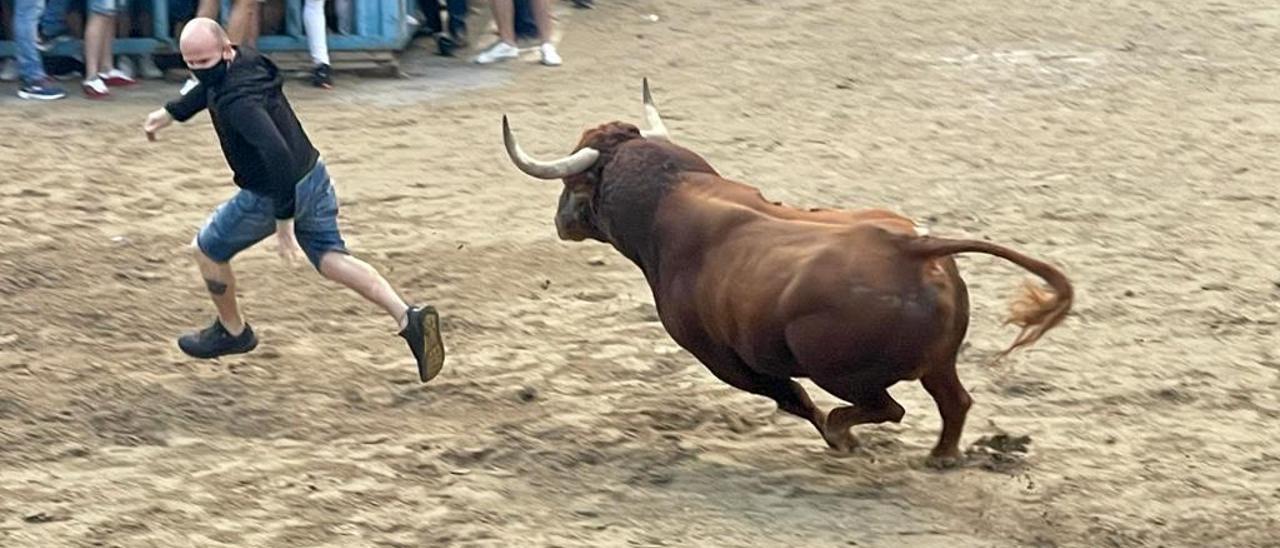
x=1133 y=143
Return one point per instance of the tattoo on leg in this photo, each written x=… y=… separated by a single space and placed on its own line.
x=216 y=287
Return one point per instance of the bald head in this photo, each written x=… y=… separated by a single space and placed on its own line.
x=204 y=43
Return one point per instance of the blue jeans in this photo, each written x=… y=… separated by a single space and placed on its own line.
x=54 y=22
x=247 y=218
x=457 y=16
x=26 y=16
x=525 y=24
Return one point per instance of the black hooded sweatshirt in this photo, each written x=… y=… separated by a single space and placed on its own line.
x=261 y=138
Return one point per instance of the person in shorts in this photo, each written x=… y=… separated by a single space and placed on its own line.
x=285 y=190
x=100 y=72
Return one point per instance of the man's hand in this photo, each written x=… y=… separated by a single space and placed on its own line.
x=287 y=244
x=156 y=121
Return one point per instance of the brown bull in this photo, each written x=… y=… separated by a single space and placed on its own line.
x=761 y=293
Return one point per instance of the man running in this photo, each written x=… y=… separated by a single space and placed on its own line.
x=284 y=189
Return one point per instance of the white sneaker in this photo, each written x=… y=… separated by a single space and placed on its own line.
x=189 y=85
x=126 y=67
x=550 y=57
x=9 y=72
x=147 y=65
x=95 y=89
x=500 y=51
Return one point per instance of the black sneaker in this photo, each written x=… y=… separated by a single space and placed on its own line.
x=445 y=45
x=214 y=341
x=458 y=34
x=322 y=77
x=423 y=335
x=41 y=91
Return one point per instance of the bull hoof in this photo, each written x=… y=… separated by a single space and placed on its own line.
x=843 y=443
x=944 y=462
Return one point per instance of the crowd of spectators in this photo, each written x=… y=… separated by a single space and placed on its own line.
x=36 y=27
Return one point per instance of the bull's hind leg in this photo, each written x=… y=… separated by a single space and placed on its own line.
x=789 y=395
x=850 y=362
x=953 y=404
x=869 y=407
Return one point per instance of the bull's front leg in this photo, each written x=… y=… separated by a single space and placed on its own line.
x=792 y=398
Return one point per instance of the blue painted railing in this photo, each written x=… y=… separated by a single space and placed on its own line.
x=378 y=25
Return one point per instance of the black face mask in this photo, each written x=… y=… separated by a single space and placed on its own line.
x=213 y=75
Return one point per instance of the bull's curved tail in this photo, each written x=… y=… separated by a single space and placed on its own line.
x=1036 y=310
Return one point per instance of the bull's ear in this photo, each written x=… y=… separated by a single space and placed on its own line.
x=590 y=177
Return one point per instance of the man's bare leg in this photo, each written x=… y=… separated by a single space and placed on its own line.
x=208 y=9
x=221 y=283
x=542 y=16
x=419 y=325
x=365 y=280
x=230 y=334
x=504 y=14
x=96 y=45
x=245 y=22
x=106 y=61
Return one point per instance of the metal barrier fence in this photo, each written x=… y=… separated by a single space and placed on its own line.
x=378 y=26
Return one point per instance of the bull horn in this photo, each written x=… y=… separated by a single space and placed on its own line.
x=657 y=130
x=573 y=164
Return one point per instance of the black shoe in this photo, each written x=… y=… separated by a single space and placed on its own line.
x=445 y=45
x=423 y=335
x=214 y=341
x=322 y=77
x=458 y=34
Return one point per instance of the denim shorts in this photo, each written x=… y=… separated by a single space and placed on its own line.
x=107 y=7
x=248 y=218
